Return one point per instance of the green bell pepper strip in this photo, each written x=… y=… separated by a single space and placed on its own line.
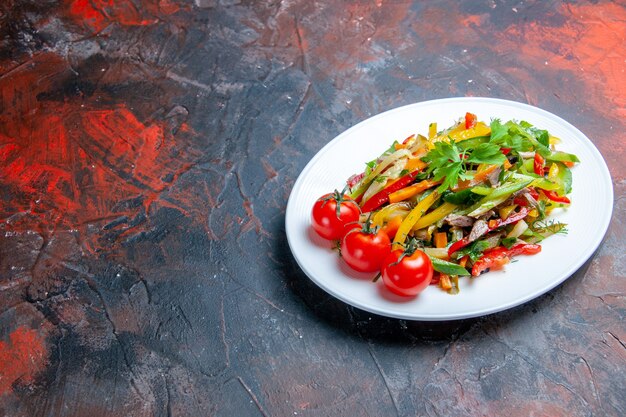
x=559 y=156
x=448 y=268
x=498 y=196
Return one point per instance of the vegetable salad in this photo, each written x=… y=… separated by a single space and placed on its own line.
x=470 y=197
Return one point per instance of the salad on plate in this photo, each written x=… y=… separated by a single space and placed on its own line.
x=449 y=205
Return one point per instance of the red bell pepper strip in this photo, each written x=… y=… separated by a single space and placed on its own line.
x=382 y=196
x=555 y=197
x=470 y=120
x=408 y=139
x=505 y=151
x=497 y=257
x=514 y=217
x=538 y=164
x=459 y=244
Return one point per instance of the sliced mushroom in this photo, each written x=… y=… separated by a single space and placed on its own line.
x=458 y=220
x=487 y=215
x=480 y=228
x=494 y=177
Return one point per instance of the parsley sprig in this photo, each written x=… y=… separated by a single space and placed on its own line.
x=521 y=137
x=448 y=162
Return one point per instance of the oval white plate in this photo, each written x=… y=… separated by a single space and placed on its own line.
x=587 y=218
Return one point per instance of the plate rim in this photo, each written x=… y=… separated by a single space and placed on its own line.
x=566 y=274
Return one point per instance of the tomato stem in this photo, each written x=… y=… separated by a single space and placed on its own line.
x=339 y=198
x=409 y=249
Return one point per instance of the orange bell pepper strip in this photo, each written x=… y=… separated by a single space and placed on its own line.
x=415 y=164
x=441 y=239
x=392 y=226
x=444 y=282
x=412 y=190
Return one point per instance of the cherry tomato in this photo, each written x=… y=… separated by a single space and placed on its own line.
x=407 y=274
x=365 y=251
x=331 y=220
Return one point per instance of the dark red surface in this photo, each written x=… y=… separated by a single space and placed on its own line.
x=147 y=150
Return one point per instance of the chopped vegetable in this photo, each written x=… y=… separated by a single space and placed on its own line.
x=412 y=190
x=382 y=196
x=446 y=267
x=496 y=258
x=441 y=240
x=413 y=217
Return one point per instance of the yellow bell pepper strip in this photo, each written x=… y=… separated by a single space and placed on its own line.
x=412 y=190
x=560 y=174
x=553 y=172
x=553 y=140
x=432 y=130
x=412 y=218
x=505 y=211
x=392 y=210
x=479 y=129
x=459 y=132
x=544 y=184
x=435 y=215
